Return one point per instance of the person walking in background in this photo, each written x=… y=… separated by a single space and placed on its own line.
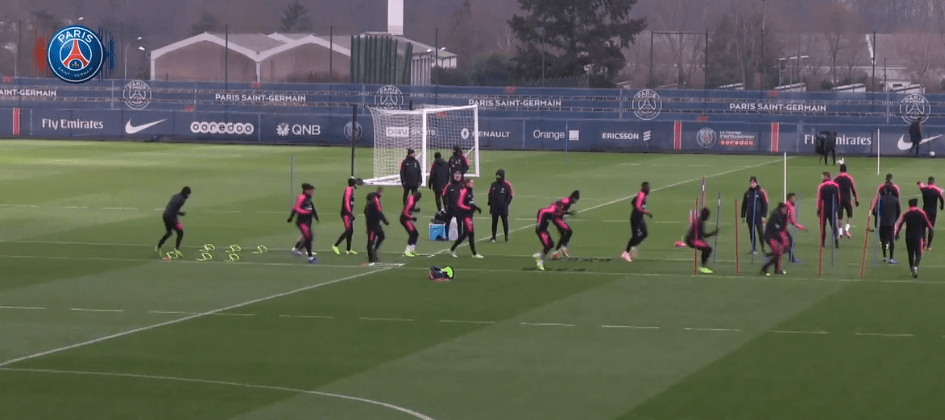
x=885 y=215
x=915 y=134
x=916 y=222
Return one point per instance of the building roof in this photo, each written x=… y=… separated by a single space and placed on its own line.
x=258 y=47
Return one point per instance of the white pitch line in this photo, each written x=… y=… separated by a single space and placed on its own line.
x=173 y=312
x=74 y=207
x=187 y=318
x=307 y=316
x=228 y=314
x=95 y=310
x=885 y=335
x=546 y=324
x=631 y=327
x=713 y=329
x=797 y=332
x=456 y=321
x=415 y=414
x=28 y=308
x=364 y=318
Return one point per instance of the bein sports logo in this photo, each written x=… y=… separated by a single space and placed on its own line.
x=203 y=127
x=75 y=54
x=706 y=137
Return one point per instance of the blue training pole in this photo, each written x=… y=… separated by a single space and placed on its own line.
x=797 y=215
x=751 y=227
x=718 y=217
x=879 y=212
x=833 y=229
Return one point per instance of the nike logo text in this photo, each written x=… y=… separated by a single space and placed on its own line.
x=131 y=129
x=906 y=146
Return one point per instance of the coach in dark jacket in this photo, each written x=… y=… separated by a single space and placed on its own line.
x=829 y=145
x=410 y=174
x=439 y=178
x=459 y=162
x=500 y=196
x=915 y=134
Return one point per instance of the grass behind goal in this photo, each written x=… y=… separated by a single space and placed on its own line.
x=591 y=338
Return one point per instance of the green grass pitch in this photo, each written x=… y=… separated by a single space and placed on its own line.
x=94 y=325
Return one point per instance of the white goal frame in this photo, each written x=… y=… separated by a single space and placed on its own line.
x=419 y=139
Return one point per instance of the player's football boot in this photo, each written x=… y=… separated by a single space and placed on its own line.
x=335 y=248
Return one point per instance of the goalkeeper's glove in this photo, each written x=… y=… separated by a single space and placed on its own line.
x=182 y=213
x=413 y=219
x=478 y=210
x=416 y=209
x=289 y=220
x=650 y=215
x=858 y=203
x=386 y=223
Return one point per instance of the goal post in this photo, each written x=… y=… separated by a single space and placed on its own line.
x=427 y=130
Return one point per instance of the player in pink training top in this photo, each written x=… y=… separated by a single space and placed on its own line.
x=347 y=217
x=637 y=224
x=931 y=195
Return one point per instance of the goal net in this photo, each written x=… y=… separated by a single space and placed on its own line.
x=427 y=130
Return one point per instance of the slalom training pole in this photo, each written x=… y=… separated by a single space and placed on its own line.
x=820 y=245
x=833 y=230
x=751 y=228
x=702 y=196
x=291 y=179
x=785 y=176
x=718 y=218
x=878 y=143
x=797 y=215
x=879 y=212
x=696 y=219
x=866 y=242
x=736 y=237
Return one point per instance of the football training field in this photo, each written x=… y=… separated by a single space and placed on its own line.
x=95 y=325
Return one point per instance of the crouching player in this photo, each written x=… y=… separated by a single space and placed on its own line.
x=777 y=238
x=406 y=220
x=563 y=207
x=545 y=216
x=696 y=235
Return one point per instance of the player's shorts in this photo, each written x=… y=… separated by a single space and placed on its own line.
x=172 y=223
x=348 y=221
x=845 y=205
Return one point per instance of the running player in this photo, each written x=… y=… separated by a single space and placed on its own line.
x=347 y=217
x=544 y=218
x=406 y=220
x=303 y=212
x=563 y=207
x=916 y=222
x=637 y=224
x=847 y=186
x=171 y=222
x=931 y=195
x=465 y=207
x=828 y=194
x=777 y=238
x=696 y=236
x=887 y=186
x=500 y=196
x=885 y=215
x=374 y=215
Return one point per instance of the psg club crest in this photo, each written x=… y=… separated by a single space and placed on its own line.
x=706 y=137
x=75 y=54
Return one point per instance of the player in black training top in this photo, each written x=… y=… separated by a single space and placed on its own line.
x=847 y=187
x=459 y=162
x=410 y=174
x=406 y=220
x=303 y=212
x=374 y=215
x=885 y=214
x=439 y=178
x=500 y=196
x=347 y=217
x=916 y=223
x=777 y=238
x=465 y=207
x=931 y=198
x=171 y=222
x=563 y=207
x=637 y=224
x=696 y=236
x=754 y=208
x=888 y=186
x=450 y=194
x=828 y=199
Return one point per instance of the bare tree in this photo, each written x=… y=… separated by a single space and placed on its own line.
x=839 y=26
